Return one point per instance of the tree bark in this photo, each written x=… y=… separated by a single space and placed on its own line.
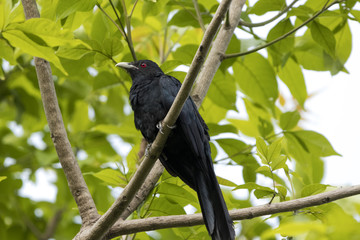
x=155 y=223
x=76 y=182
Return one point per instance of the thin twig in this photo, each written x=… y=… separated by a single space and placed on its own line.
x=128 y=29
x=198 y=14
x=133 y=8
x=121 y=29
x=251 y=25
x=232 y=55
x=118 y=18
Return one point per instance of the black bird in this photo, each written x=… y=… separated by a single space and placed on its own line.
x=187 y=151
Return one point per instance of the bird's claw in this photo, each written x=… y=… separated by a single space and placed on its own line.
x=159 y=126
x=171 y=127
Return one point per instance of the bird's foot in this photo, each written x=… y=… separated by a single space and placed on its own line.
x=147 y=150
x=171 y=127
x=160 y=127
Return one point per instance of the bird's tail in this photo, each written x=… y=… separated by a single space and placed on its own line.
x=216 y=216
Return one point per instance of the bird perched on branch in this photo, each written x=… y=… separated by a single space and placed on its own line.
x=186 y=153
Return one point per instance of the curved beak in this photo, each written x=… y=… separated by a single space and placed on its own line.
x=126 y=65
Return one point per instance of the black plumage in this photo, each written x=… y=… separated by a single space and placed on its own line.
x=186 y=153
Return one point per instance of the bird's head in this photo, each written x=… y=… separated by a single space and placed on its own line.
x=142 y=68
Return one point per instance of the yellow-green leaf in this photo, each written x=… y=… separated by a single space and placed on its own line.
x=20 y=40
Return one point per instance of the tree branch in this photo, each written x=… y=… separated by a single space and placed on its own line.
x=232 y=55
x=145 y=189
x=121 y=29
x=155 y=223
x=98 y=230
x=218 y=50
x=260 y=24
x=76 y=182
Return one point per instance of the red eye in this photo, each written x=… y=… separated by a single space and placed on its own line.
x=143 y=65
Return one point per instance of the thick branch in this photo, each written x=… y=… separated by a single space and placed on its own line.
x=98 y=230
x=76 y=182
x=218 y=50
x=154 y=223
x=283 y=36
x=145 y=189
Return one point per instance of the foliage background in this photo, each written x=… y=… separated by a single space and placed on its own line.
x=82 y=45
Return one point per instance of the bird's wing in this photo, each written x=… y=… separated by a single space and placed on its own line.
x=193 y=126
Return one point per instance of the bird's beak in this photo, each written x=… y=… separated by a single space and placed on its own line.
x=125 y=65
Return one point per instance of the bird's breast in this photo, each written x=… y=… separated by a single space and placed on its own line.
x=148 y=110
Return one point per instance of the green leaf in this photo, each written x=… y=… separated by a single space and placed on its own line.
x=105 y=79
x=247 y=127
x=225 y=182
x=314 y=142
x=49 y=31
x=235 y=149
x=185 y=53
x=153 y=8
x=122 y=131
x=356 y=14
x=324 y=37
x=176 y=192
x=112 y=46
x=222 y=91
x=278 y=163
x=80 y=119
x=216 y=129
x=343 y=43
x=265 y=170
x=7 y=52
x=66 y=7
x=274 y=150
x=20 y=40
x=253 y=186
x=313 y=189
x=282 y=192
x=260 y=86
x=74 y=53
x=185 y=17
x=295 y=229
x=5 y=9
x=265 y=127
x=292 y=76
x=287 y=44
x=289 y=120
x=263 y=6
x=262 y=150
x=310 y=55
x=111 y=177
x=2 y=178
x=263 y=194
x=164 y=207
x=170 y=65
